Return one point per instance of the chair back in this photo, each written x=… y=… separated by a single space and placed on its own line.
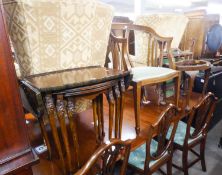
x=55 y=35
x=166 y=24
x=149 y=47
x=200 y=118
x=104 y=160
x=167 y=122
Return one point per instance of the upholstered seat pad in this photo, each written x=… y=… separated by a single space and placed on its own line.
x=138 y=156
x=143 y=73
x=180 y=133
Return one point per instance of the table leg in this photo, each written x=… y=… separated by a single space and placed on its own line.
x=73 y=127
x=45 y=135
x=100 y=116
x=206 y=79
x=95 y=119
x=117 y=110
x=61 y=113
x=51 y=114
x=111 y=102
x=177 y=90
x=188 y=93
x=137 y=97
x=122 y=98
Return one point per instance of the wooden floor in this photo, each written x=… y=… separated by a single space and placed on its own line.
x=149 y=115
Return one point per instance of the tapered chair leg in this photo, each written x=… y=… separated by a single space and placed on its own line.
x=169 y=167
x=202 y=155
x=137 y=98
x=185 y=162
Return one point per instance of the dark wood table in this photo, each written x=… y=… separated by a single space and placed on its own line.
x=55 y=93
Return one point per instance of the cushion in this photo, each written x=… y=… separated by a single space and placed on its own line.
x=137 y=157
x=180 y=133
x=143 y=73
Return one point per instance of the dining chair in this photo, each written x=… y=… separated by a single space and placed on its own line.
x=157 y=151
x=150 y=74
x=194 y=132
x=110 y=158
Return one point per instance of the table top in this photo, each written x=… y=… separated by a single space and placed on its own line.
x=192 y=65
x=72 y=78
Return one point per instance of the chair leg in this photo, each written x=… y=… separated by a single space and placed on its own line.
x=185 y=161
x=202 y=155
x=137 y=98
x=169 y=167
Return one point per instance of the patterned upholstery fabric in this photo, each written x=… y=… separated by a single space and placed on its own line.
x=137 y=157
x=53 y=35
x=180 y=133
x=167 y=25
x=142 y=73
x=60 y=34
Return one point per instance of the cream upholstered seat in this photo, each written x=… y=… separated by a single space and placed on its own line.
x=54 y=35
x=151 y=73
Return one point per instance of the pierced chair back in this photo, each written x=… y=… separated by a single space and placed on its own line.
x=164 y=149
x=106 y=159
x=149 y=47
x=200 y=118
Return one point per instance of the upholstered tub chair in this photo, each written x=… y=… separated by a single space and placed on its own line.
x=166 y=25
x=56 y=35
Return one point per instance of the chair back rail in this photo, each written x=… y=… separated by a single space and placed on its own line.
x=104 y=160
x=149 y=46
x=200 y=117
x=168 y=119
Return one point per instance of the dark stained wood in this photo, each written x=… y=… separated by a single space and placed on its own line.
x=16 y=153
x=163 y=154
x=199 y=118
x=54 y=90
x=105 y=158
x=87 y=141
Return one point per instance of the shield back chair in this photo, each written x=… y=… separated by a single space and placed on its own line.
x=194 y=132
x=56 y=35
x=150 y=74
x=149 y=157
x=107 y=158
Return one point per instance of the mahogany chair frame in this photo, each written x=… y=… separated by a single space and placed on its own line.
x=200 y=117
x=163 y=155
x=118 y=46
x=108 y=155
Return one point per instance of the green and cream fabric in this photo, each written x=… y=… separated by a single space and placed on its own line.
x=53 y=35
x=180 y=133
x=138 y=156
